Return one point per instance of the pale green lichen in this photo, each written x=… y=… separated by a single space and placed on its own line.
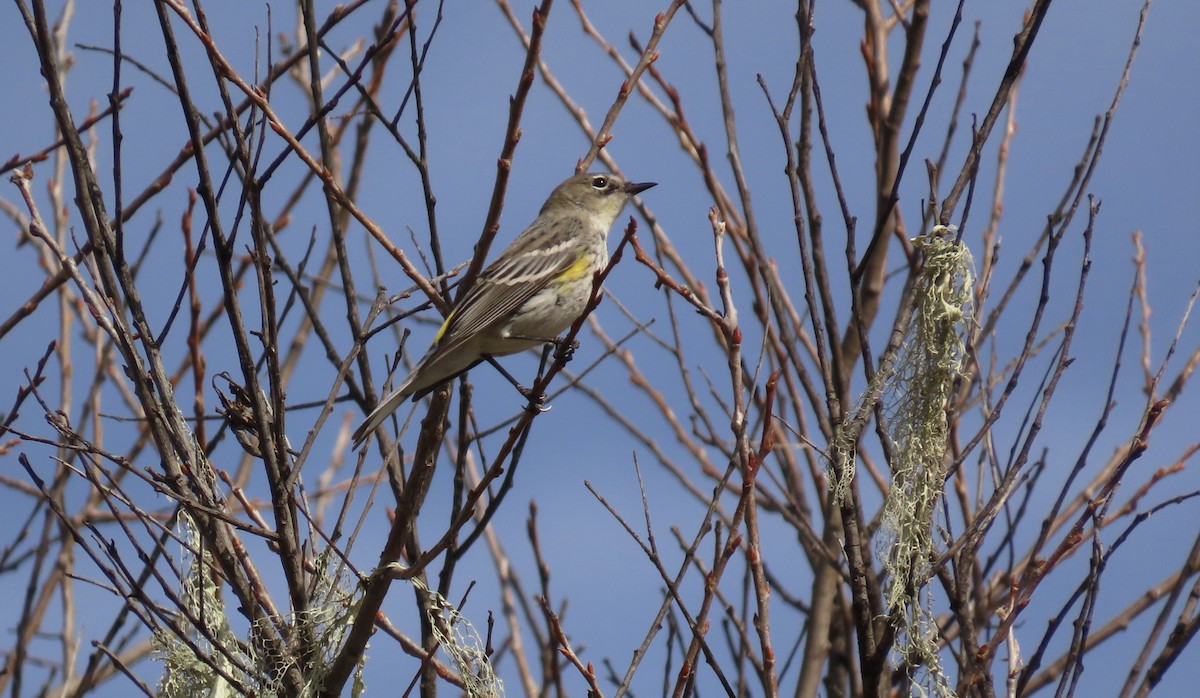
x=915 y=406
x=914 y=391
x=198 y=660
x=184 y=672
x=462 y=643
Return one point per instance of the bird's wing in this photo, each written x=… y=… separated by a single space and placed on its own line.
x=522 y=270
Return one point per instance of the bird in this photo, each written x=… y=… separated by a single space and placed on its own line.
x=530 y=293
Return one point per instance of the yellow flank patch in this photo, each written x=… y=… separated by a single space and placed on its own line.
x=442 y=330
x=579 y=268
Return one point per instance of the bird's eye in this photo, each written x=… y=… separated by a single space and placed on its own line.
x=600 y=183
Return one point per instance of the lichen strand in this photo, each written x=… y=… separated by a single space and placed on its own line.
x=915 y=406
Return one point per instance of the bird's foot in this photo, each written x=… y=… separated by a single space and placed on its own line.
x=564 y=350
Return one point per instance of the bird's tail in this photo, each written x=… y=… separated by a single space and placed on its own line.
x=385 y=407
x=436 y=367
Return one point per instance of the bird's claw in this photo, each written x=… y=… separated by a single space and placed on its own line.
x=565 y=350
x=536 y=401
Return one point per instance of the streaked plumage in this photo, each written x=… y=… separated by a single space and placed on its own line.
x=529 y=294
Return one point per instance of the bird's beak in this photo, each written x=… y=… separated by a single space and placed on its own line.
x=632 y=188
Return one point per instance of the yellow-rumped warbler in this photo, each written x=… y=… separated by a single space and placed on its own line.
x=531 y=292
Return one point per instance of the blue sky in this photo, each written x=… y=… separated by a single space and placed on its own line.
x=1147 y=181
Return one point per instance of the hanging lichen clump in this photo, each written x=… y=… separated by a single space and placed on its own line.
x=915 y=402
x=914 y=391
x=203 y=656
